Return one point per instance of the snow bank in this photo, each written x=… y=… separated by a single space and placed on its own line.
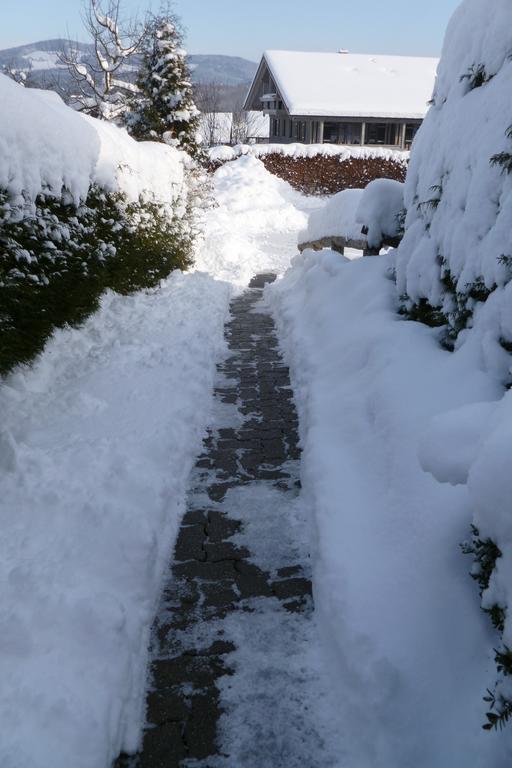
x=410 y=649
x=297 y=151
x=381 y=210
x=336 y=218
x=96 y=444
x=47 y=146
x=256 y=226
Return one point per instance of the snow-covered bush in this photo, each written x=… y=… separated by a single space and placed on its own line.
x=454 y=269
x=381 y=210
x=458 y=243
x=83 y=207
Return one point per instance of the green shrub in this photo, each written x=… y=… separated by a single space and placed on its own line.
x=57 y=258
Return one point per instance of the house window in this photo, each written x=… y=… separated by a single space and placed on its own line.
x=376 y=133
x=299 y=131
x=410 y=132
x=331 y=133
x=350 y=133
x=382 y=133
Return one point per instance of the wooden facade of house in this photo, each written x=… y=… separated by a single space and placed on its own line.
x=301 y=111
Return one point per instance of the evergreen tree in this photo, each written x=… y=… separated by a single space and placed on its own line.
x=164 y=109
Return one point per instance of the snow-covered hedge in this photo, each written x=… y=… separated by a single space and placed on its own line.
x=454 y=269
x=320 y=169
x=83 y=207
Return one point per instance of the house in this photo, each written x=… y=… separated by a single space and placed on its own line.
x=343 y=98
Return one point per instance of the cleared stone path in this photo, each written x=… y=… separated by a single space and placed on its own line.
x=230 y=673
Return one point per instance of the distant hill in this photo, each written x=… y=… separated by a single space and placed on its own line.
x=228 y=70
x=41 y=60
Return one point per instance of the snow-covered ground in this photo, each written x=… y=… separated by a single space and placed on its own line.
x=96 y=445
x=255 y=227
x=98 y=439
x=412 y=655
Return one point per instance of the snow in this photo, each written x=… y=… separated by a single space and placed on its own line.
x=464 y=235
x=411 y=653
x=381 y=210
x=46 y=146
x=378 y=207
x=96 y=446
x=336 y=218
x=97 y=442
x=42 y=60
x=404 y=443
x=299 y=151
x=352 y=85
x=451 y=161
x=257 y=224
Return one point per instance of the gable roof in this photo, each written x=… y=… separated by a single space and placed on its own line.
x=351 y=85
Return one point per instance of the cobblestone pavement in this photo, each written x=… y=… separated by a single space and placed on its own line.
x=220 y=577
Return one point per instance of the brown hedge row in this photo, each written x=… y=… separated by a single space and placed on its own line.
x=324 y=175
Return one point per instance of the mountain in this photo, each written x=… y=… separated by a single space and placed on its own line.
x=228 y=70
x=41 y=60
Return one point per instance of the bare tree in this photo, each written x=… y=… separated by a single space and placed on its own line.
x=100 y=90
x=244 y=124
x=208 y=98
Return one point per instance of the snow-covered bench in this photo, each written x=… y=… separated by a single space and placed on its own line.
x=364 y=219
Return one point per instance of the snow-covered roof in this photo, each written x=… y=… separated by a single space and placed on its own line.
x=353 y=85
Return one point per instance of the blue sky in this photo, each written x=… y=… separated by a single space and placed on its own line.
x=243 y=28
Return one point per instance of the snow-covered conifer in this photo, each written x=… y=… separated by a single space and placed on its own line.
x=164 y=109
